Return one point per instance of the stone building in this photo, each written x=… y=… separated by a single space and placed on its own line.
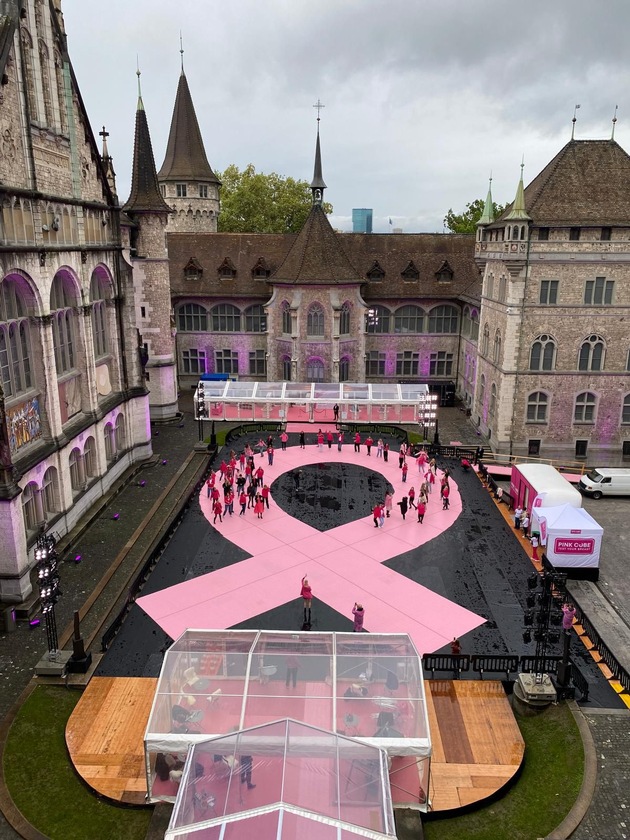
x=73 y=405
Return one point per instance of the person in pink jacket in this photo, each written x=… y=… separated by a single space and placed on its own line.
x=306 y=593
x=359 y=613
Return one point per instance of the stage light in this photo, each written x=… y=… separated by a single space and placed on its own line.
x=77 y=559
x=528 y=618
x=532 y=581
x=531 y=601
x=116 y=516
x=527 y=636
x=34 y=622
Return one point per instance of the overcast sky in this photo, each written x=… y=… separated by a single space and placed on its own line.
x=423 y=98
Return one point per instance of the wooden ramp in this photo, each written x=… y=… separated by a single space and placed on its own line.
x=105 y=736
x=477 y=745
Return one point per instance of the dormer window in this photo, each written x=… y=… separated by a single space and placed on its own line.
x=444 y=274
x=375 y=273
x=227 y=268
x=410 y=273
x=192 y=270
x=261 y=271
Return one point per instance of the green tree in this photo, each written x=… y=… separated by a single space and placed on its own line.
x=466 y=222
x=252 y=202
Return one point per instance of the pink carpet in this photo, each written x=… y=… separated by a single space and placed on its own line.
x=343 y=565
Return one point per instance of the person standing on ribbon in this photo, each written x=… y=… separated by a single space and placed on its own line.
x=359 y=613
x=306 y=593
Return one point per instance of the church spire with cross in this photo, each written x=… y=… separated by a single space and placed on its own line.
x=108 y=165
x=318 y=184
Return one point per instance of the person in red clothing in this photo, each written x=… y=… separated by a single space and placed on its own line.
x=329 y=439
x=229 y=502
x=446 y=492
x=386 y=452
x=210 y=484
x=248 y=472
x=217 y=509
x=368 y=444
x=405 y=468
x=422 y=509
x=259 y=476
x=306 y=593
x=222 y=468
x=412 y=497
x=320 y=440
x=214 y=494
x=377 y=512
x=243 y=502
x=259 y=506
x=357 y=442
x=265 y=495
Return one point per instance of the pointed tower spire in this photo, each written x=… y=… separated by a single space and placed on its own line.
x=107 y=162
x=145 y=194
x=487 y=217
x=318 y=184
x=518 y=211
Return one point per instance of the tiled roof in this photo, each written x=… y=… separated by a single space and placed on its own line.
x=185 y=154
x=586 y=183
x=145 y=194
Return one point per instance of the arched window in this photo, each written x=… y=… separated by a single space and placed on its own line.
x=344 y=320
x=89 y=457
x=191 y=317
x=493 y=399
x=255 y=319
x=286 y=368
x=537 y=403
x=542 y=356
x=15 y=344
x=100 y=291
x=625 y=411
x=63 y=299
x=482 y=390
x=315 y=324
x=502 y=288
x=592 y=354
x=287 y=326
x=110 y=442
x=474 y=317
x=485 y=344
x=409 y=319
x=466 y=323
x=44 y=63
x=61 y=92
x=443 y=319
x=50 y=492
x=29 y=72
x=377 y=319
x=344 y=369
x=119 y=433
x=75 y=464
x=226 y=318
x=585 y=408
x=29 y=507
x=496 y=350
x=314 y=370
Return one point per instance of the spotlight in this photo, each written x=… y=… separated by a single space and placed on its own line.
x=116 y=516
x=34 y=622
x=532 y=581
x=539 y=635
x=527 y=636
x=164 y=462
x=77 y=559
x=556 y=619
x=528 y=618
x=531 y=601
x=141 y=483
x=554 y=636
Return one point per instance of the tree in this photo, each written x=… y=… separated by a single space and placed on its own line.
x=252 y=202
x=466 y=222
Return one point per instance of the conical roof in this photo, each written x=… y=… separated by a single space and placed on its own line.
x=185 y=155
x=487 y=217
x=145 y=194
x=316 y=256
x=517 y=211
x=318 y=178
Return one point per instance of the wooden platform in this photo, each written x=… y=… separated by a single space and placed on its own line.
x=477 y=745
x=105 y=736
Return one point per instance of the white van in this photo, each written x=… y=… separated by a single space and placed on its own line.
x=605 y=482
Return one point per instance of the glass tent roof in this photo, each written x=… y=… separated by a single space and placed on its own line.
x=315 y=392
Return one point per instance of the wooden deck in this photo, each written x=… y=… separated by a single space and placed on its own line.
x=477 y=745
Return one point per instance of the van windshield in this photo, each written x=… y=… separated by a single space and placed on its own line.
x=594 y=476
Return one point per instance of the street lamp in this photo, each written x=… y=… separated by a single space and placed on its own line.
x=49 y=592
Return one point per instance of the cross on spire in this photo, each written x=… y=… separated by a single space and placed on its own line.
x=181 y=49
x=319 y=107
x=104 y=134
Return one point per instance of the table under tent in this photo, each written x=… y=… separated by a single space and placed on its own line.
x=364 y=687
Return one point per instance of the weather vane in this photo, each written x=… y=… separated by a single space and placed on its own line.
x=614 y=120
x=574 y=120
x=319 y=107
x=181 y=48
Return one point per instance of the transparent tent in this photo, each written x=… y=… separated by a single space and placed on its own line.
x=283 y=779
x=366 y=686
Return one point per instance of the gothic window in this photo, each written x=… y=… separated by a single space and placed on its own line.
x=440 y=363
x=542 y=355
x=192 y=270
x=592 y=354
x=599 y=291
x=410 y=273
x=625 y=411
x=314 y=370
x=119 y=433
x=226 y=318
x=485 y=344
x=257 y=363
x=407 y=363
x=227 y=269
x=537 y=404
x=287 y=326
x=502 y=288
x=344 y=320
x=466 y=323
x=344 y=369
x=29 y=507
x=474 y=318
x=61 y=95
x=374 y=364
x=490 y=285
x=226 y=361
x=50 y=492
x=29 y=72
x=482 y=390
x=375 y=273
x=585 y=408
x=44 y=62
x=444 y=274
x=62 y=301
x=100 y=291
x=255 y=319
x=89 y=457
x=194 y=361
x=443 y=319
x=377 y=319
x=493 y=400
x=496 y=350
x=286 y=368
x=110 y=442
x=74 y=462
x=191 y=317
x=15 y=344
x=409 y=319
x=315 y=323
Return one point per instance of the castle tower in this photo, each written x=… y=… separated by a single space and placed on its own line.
x=186 y=179
x=149 y=214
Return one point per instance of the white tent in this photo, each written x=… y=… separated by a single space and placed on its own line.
x=570 y=535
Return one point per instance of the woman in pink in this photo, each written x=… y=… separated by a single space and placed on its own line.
x=422 y=509
x=388 y=504
x=412 y=497
x=359 y=613
x=320 y=440
x=259 y=506
x=357 y=442
x=306 y=593
x=405 y=468
x=217 y=509
x=284 y=437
